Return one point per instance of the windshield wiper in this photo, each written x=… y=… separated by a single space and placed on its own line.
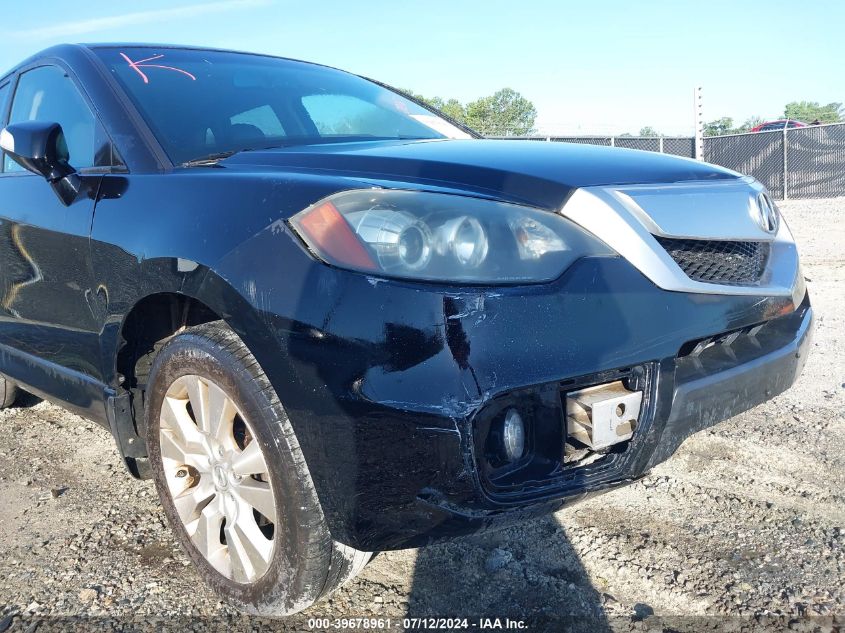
x=212 y=158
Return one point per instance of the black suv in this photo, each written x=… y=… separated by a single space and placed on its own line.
x=328 y=320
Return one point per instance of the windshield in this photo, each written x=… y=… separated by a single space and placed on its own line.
x=204 y=103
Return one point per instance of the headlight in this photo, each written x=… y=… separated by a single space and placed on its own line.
x=432 y=236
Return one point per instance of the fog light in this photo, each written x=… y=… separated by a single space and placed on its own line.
x=513 y=435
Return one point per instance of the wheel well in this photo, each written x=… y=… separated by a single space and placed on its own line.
x=152 y=321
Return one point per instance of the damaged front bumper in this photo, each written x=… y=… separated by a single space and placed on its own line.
x=707 y=391
x=393 y=396
x=686 y=394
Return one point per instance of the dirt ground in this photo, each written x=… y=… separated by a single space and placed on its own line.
x=745 y=523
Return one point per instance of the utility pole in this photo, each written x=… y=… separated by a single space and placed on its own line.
x=699 y=124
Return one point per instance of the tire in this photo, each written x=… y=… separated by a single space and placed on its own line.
x=303 y=564
x=8 y=392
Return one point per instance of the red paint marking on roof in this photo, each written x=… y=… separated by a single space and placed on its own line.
x=141 y=63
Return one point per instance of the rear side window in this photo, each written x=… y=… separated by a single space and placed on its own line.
x=47 y=93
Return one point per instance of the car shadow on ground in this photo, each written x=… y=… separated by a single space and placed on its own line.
x=529 y=572
x=25 y=400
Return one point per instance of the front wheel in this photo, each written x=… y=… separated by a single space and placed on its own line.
x=8 y=392
x=232 y=479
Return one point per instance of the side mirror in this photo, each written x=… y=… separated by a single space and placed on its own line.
x=39 y=147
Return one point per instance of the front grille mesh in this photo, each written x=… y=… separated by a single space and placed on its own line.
x=719 y=261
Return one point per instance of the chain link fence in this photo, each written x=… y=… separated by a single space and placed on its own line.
x=806 y=162
x=679 y=146
x=676 y=145
x=759 y=155
x=815 y=161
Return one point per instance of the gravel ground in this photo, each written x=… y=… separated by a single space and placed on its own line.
x=748 y=519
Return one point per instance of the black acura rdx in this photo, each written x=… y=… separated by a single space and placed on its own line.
x=328 y=320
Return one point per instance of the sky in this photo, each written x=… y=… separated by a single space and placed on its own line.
x=597 y=67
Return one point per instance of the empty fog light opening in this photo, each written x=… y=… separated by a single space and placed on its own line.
x=531 y=438
x=599 y=417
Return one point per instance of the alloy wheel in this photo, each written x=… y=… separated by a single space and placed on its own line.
x=218 y=478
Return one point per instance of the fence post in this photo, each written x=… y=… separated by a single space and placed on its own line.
x=661 y=145
x=785 y=165
x=699 y=124
x=613 y=141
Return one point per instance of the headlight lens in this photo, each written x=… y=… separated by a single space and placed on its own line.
x=442 y=237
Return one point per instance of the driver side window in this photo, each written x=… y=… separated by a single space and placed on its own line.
x=47 y=93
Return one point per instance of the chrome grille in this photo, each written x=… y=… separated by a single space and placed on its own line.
x=718 y=261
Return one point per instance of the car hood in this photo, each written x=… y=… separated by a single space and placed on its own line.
x=537 y=173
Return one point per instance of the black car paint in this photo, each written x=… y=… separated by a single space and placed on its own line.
x=382 y=379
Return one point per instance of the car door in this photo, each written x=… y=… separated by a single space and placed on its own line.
x=49 y=322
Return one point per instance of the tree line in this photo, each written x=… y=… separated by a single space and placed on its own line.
x=507 y=113
x=504 y=113
x=805 y=111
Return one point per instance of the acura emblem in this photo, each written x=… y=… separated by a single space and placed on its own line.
x=767 y=214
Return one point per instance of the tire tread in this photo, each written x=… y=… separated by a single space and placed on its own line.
x=8 y=392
